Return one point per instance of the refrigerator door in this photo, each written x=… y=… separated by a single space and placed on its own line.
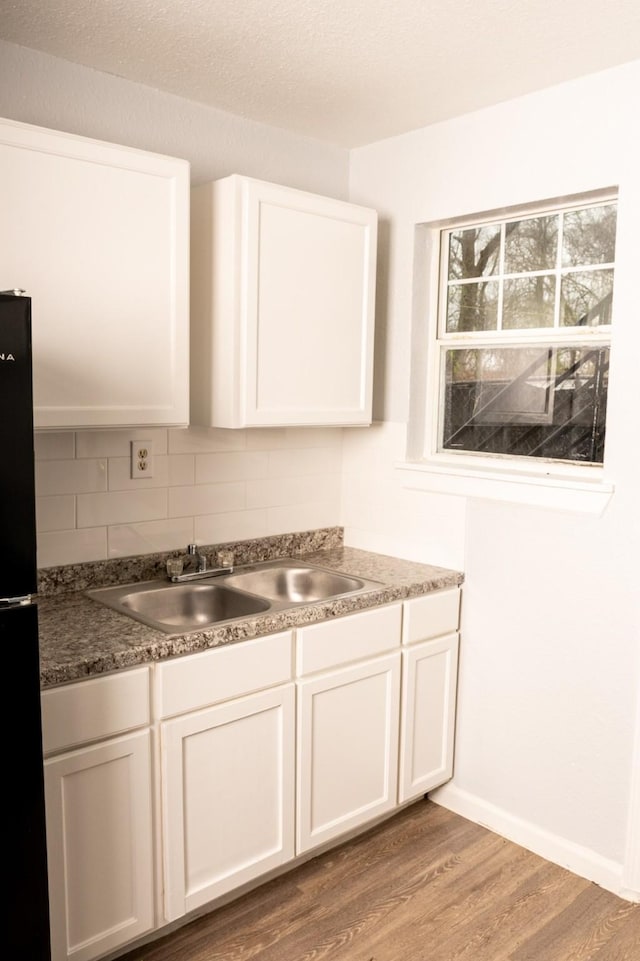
x=18 y=574
x=26 y=931
x=24 y=851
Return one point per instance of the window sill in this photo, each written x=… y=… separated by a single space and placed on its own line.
x=569 y=493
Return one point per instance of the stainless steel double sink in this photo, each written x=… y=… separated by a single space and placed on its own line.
x=178 y=608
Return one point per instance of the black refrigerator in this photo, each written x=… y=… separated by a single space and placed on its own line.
x=26 y=933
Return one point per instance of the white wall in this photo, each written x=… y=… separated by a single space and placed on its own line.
x=550 y=653
x=210 y=486
x=40 y=89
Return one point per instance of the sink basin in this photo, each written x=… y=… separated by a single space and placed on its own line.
x=179 y=608
x=295 y=583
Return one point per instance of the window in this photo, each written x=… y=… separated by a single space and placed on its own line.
x=521 y=354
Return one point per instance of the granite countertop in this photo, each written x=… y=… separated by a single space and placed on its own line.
x=80 y=638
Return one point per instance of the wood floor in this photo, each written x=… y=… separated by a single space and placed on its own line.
x=425 y=886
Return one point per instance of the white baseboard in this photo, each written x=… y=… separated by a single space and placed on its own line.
x=575 y=858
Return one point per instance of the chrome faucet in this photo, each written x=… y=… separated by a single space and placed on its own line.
x=200 y=559
x=196 y=565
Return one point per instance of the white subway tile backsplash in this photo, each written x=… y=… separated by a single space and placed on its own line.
x=150 y=537
x=182 y=469
x=206 y=499
x=117 y=443
x=202 y=440
x=57 y=513
x=120 y=478
x=375 y=450
x=234 y=526
x=283 y=491
x=72 y=547
x=381 y=486
x=70 y=476
x=266 y=438
x=364 y=510
x=54 y=445
x=121 y=507
x=238 y=465
x=209 y=485
x=273 y=438
x=281 y=520
x=293 y=463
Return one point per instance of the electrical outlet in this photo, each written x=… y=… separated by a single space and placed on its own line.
x=141 y=458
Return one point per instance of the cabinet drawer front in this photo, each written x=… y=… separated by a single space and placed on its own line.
x=431 y=616
x=191 y=682
x=330 y=644
x=96 y=709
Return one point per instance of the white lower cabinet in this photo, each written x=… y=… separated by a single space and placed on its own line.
x=228 y=775
x=347 y=749
x=263 y=752
x=429 y=686
x=99 y=810
x=348 y=721
x=228 y=768
x=429 y=674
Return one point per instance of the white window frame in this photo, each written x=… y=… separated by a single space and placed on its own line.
x=534 y=481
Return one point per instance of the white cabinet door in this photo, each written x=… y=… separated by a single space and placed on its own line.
x=347 y=749
x=100 y=847
x=98 y=236
x=283 y=288
x=228 y=775
x=429 y=679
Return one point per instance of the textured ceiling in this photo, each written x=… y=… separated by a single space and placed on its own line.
x=345 y=71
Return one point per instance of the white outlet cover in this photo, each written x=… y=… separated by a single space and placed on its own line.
x=141 y=459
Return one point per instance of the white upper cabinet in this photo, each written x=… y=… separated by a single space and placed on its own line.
x=98 y=236
x=282 y=306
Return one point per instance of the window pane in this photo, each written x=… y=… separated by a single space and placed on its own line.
x=528 y=302
x=586 y=297
x=536 y=401
x=472 y=307
x=474 y=252
x=531 y=244
x=589 y=236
